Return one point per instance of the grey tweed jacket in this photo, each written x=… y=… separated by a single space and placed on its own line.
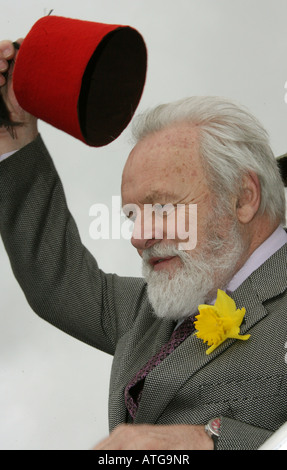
x=244 y=382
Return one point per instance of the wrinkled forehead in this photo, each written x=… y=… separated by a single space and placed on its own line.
x=173 y=150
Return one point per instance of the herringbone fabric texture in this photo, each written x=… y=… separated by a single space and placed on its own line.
x=243 y=382
x=133 y=390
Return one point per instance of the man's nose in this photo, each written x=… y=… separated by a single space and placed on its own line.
x=143 y=235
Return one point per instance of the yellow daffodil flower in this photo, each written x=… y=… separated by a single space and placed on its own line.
x=218 y=322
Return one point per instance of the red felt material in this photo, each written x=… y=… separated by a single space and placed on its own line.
x=50 y=66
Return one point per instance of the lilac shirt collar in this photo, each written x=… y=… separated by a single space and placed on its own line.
x=258 y=257
x=6 y=155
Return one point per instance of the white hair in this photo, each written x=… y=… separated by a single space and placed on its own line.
x=232 y=142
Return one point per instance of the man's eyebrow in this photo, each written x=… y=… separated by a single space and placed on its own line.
x=155 y=196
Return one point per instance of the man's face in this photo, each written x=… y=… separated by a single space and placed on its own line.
x=165 y=169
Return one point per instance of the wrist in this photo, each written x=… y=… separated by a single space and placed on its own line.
x=204 y=441
x=212 y=429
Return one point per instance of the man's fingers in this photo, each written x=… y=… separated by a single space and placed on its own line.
x=3 y=65
x=20 y=40
x=7 y=53
x=3 y=69
x=7 y=50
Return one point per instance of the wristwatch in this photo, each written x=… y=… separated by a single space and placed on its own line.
x=212 y=428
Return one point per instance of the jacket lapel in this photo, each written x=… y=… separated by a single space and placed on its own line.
x=133 y=352
x=166 y=379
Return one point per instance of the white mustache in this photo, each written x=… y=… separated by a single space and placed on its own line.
x=160 y=251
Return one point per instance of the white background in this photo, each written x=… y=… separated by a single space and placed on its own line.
x=54 y=389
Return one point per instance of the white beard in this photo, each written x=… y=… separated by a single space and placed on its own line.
x=203 y=272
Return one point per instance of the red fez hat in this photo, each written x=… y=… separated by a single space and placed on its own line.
x=82 y=77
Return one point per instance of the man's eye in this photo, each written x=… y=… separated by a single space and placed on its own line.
x=130 y=211
x=131 y=216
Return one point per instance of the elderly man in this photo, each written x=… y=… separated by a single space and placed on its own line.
x=199 y=151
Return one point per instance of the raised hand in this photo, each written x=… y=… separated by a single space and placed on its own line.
x=17 y=127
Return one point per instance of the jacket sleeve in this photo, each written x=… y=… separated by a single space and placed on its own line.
x=60 y=278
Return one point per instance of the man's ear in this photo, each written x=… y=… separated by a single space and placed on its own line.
x=249 y=199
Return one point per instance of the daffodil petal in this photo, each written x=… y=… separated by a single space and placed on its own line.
x=213 y=347
x=224 y=304
x=216 y=323
x=242 y=337
x=239 y=314
x=204 y=308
